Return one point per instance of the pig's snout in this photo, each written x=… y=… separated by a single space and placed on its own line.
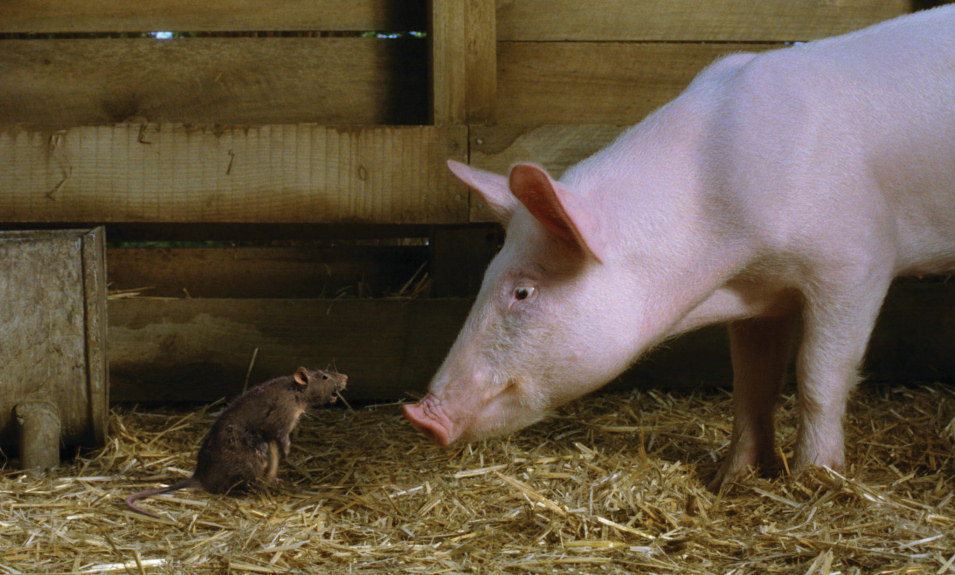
x=428 y=418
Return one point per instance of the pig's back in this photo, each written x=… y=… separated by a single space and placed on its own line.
x=856 y=134
x=905 y=70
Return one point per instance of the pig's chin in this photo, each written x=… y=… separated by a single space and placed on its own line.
x=501 y=415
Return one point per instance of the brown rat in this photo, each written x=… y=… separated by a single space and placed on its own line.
x=251 y=435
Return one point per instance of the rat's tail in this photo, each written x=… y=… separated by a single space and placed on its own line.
x=188 y=482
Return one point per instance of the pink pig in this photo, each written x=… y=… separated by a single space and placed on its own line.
x=792 y=184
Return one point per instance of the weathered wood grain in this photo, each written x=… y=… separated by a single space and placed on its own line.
x=97 y=357
x=481 y=57
x=51 y=16
x=596 y=82
x=198 y=350
x=463 y=61
x=213 y=81
x=53 y=330
x=448 y=41
x=269 y=174
x=264 y=272
x=688 y=20
x=38 y=426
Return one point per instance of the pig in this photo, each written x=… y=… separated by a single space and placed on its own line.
x=779 y=190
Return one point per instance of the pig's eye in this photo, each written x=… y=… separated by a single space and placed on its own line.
x=523 y=292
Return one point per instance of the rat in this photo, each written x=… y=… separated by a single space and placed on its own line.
x=246 y=442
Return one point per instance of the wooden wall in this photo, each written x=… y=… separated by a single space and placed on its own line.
x=275 y=179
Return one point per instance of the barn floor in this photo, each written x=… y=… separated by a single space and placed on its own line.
x=613 y=484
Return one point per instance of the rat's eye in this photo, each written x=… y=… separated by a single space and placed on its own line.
x=324 y=376
x=523 y=292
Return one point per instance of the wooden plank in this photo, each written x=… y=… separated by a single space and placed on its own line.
x=448 y=41
x=53 y=16
x=268 y=234
x=97 y=336
x=688 y=20
x=213 y=81
x=596 y=82
x=481 y=57
x=265 y=272
x=270 y=174
x=555 y=147
x=199 y=350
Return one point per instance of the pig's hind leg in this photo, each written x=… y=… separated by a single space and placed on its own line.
x=760 y=348
x=838 y=318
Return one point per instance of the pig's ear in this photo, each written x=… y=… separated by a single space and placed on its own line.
x=556 y=208
x=491 y=186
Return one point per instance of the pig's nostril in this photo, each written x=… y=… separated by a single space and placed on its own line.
x=430 y=428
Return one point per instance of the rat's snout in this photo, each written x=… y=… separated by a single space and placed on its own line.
x=334 y=381
x=340 y=381
x=326 y=386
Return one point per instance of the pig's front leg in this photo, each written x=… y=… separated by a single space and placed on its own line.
x=760 y=351
x=838 y=320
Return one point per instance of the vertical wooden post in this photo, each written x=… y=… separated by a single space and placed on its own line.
x=38 y=423
x=481 y=57
x=463 y=61
x=97 y=363
x=448 y=67
x=464 y=86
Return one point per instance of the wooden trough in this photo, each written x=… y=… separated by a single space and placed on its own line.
x=53 y=368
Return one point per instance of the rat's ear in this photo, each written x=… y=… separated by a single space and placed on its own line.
x=301 y=376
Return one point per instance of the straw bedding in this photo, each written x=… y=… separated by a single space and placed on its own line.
x=614 y=483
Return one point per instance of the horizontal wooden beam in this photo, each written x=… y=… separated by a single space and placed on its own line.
x=596 y=82
x=51 y=16
x=268 y=174
x=688 y=20
x=199 y=350
x=243 y=81
x=266 y=272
